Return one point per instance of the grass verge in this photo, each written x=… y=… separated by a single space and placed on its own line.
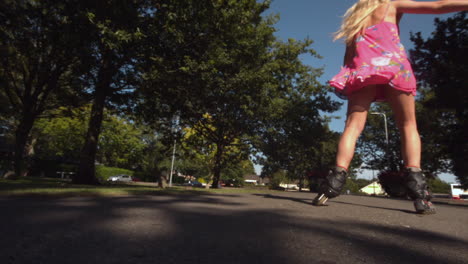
x=52 y=187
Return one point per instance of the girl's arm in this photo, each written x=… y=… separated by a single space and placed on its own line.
x=437 y=7
x=349 y=54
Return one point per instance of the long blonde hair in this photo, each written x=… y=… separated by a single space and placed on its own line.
x=353 y=19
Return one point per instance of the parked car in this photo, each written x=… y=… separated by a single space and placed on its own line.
x=120 y=178
x=135 y=179
x=194 y=184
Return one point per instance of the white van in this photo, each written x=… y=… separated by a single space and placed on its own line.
x=458 y=192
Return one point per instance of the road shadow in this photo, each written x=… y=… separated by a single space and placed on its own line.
x=376 y=207
x=297 y=200
x=309 y=202
x=202 y=229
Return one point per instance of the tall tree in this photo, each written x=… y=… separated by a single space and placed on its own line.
x=201 y=143
x=211 y=58
x=221 y=58
x=440 y=65
x=38 y=45
x=122 y=143
x=293 y=135
x=114 y=40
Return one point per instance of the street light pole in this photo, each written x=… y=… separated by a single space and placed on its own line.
x=175 y=123
x=172 y=164
x=385 y=122
x=386 y=134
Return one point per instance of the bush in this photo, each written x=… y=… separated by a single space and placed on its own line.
x=144 y=176
x=103 y=172
x=350 y=185
x=393 y=183
x=178 y=180
x=277 y=178
x=438 y=186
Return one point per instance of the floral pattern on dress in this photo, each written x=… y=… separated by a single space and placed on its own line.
x=380 y=59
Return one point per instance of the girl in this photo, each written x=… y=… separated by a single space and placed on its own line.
x=376 y=68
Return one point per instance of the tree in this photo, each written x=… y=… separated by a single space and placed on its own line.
x=202 y=144
x=39 y=48
x=210 y=60
x=60 y=135
x=219 y=67
x=293 y=136
x=122 y=143
x=440 y=65
x=114 y=39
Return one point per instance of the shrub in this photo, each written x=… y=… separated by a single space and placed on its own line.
x=277 y=178
x=393 y=183
x=144 y=176
x=438 y=186
x=350 y=185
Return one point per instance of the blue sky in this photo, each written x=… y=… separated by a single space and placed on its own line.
x=318 y=19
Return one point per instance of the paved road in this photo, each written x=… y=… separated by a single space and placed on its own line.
x=280 y=227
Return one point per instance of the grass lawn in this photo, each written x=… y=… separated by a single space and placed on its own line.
x=52 y=187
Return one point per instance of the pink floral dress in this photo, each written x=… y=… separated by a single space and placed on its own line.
x=380 y=60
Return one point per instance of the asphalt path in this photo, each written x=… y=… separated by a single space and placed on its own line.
x=278 y=227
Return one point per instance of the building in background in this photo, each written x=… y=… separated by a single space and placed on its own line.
x=374 y=188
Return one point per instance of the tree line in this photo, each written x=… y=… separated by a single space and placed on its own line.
x=118 y=82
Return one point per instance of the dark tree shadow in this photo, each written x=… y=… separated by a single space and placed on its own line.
x=201 y=229
x=309 y=202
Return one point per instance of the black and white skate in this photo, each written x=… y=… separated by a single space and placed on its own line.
x=320 y=200
x=423 y=206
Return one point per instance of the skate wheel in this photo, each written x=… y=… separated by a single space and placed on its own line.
x=424 y=207
x=320 y=200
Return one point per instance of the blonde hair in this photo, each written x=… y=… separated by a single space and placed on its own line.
x=353 y=19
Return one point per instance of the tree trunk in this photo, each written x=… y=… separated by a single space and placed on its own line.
x=160 y=175
x=86 y=170
x=21 y=139
x=162 y=180
x=301 y=182
x=217 y=165
x=459 y=151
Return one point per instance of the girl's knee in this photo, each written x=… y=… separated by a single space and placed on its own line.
x=408 y=126
x=355 y=124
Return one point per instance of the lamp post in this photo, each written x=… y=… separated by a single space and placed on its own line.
x=172 y=164
x=174 y=128
x=385 y=122
x=386 y=138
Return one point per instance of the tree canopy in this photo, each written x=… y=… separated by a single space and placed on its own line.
x=440 y=65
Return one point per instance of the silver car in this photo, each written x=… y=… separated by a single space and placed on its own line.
x=120 y=178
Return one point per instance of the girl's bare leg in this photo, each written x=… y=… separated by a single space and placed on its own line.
x=358 y=106
x=403 y=108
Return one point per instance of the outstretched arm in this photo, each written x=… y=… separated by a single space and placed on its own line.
x=437 y=7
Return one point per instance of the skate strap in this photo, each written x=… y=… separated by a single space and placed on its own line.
x=386 y=12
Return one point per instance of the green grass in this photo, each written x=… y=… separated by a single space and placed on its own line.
x=51 y=187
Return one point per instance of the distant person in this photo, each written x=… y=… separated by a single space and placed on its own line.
x=376 y=68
